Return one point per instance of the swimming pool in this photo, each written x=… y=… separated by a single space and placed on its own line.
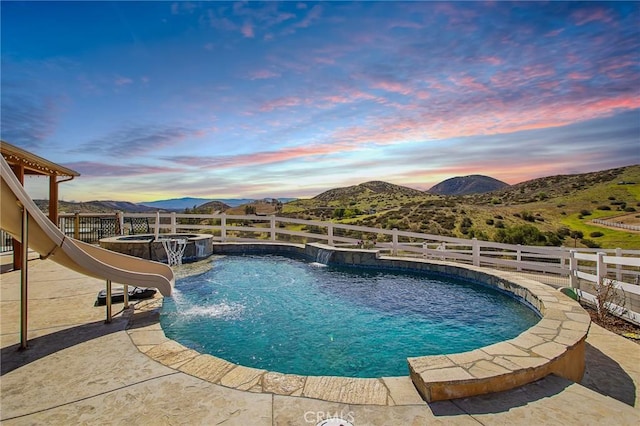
x=287 y=315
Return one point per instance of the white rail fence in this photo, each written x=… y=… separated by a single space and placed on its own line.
x=616 y=224
x=580 y=269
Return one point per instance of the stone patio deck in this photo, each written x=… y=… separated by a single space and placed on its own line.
x=79 y=370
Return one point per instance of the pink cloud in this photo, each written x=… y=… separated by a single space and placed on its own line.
x=263 y=75
x=585 y=16
x=578 y=76
x=247 y=30
x=284 y=102
x=122 y=81
x=393 y=87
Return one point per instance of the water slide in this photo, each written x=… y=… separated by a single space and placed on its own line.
x=50 y=242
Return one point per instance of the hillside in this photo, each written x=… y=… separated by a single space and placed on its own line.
x=463 y=185
x=542 y=211
x=365 y=189
x=96 y=207
x=214 y=206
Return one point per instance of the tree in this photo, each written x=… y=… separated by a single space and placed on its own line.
x=576 y=235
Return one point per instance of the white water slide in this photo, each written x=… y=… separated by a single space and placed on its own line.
x=50 y=242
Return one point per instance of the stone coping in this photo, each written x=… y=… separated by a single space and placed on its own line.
x=555 y=345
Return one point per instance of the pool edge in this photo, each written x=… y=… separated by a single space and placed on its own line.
x=556 y=345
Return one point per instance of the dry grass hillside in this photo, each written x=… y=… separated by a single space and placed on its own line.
x=556 y=210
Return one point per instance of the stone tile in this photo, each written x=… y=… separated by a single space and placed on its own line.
x=423 y=363
x=576 y=325
x=172 y=354
x=527 y=341
x=484 y=369
x=402 y=391
x=449 y=374
x=579 y=317
x=549 y=350
x=569 y=337
x=549 y=323
x=207 y=367
x=147 y=337
x=504 y=348
x=283 y=384
x=345 y=389
x=524 y=361
x=469 y=357
x=242 y=378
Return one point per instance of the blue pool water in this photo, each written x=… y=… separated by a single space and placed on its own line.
x=290 y=316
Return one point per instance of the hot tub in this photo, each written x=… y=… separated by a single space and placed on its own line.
x=146 y=246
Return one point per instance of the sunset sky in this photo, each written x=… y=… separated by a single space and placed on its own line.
x=156 y=100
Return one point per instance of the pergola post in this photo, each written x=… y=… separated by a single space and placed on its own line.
x=24 y=279
x=53 y=199
x=18 y=170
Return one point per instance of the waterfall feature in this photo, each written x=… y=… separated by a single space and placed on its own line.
x=323 y=256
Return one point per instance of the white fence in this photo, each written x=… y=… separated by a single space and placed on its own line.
x=580 y=269
x=616 y=224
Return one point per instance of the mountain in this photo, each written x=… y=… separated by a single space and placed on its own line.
x=177 y=203
x=215 y=206
x=96 y=207
x=464 y=185
x=189 y=202
x=374 y=187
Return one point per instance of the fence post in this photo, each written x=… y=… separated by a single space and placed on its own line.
x=273 y=227
x=173 y=223
x=476 y=252
x=519 y=257
x=619 y=266
x=223 y=227
x=120 y=219
x=76 y=226
x=573 y=269
x=330 y=233
x=394 y=248
x=601 y=267
x=157 y=230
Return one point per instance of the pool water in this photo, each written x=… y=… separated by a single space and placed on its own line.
x=291 y=316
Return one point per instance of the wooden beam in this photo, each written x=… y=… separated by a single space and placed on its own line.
x=18 y=170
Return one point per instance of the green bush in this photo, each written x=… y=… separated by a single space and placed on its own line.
x=521 y=234
x=590 y=243
x=596 y=234
x=604 y=208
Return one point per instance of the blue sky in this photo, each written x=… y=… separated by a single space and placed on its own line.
x=154 y=100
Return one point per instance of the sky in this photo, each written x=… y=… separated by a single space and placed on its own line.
x=158 y=100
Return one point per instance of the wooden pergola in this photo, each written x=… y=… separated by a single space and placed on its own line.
x=24 y=163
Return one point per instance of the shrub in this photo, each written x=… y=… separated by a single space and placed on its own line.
x=500 y=217
x=529 y=217
x=604 y=208
x=611 y=197
x=590 y=243
x=629 y=209
x=585 y=212
x=596 y=234
x=499 y=224
x=489 y=221
x=521 y=234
